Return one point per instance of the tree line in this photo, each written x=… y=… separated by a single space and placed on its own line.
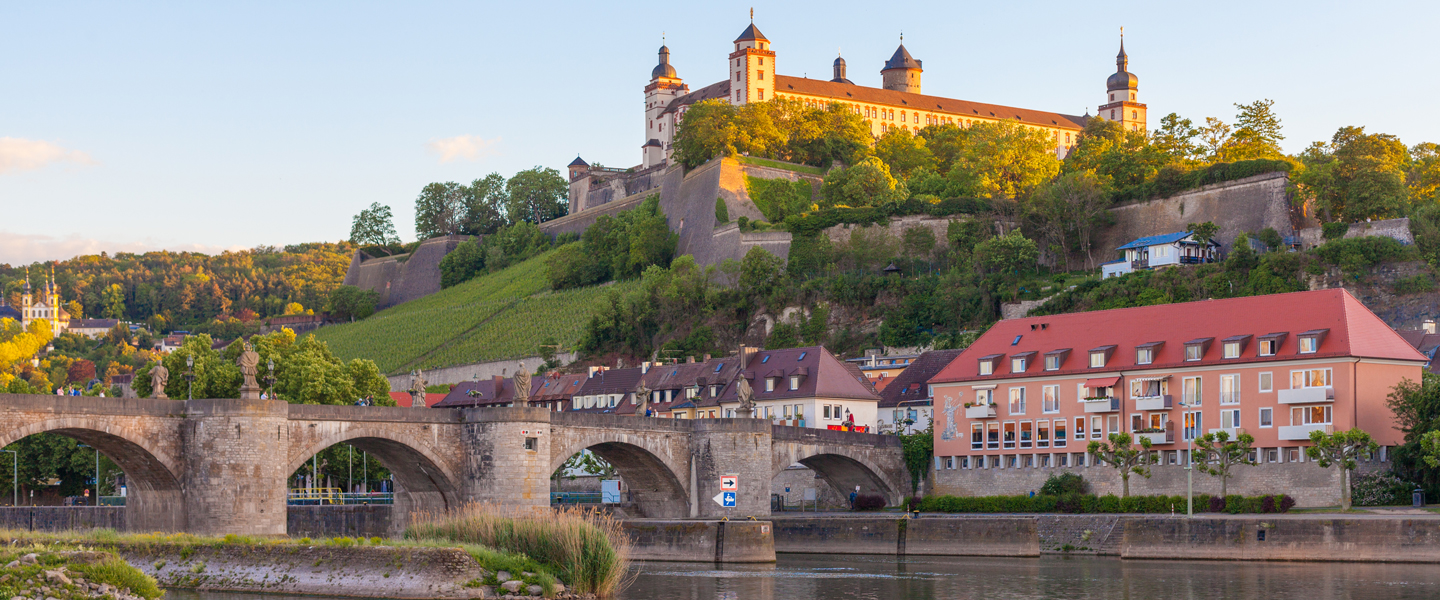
x=483 y=207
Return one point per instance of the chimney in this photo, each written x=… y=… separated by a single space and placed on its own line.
x=644 y=367
x=707 y=358
x=689 y=359
x=1429 y=326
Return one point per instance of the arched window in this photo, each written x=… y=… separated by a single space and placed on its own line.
x=1132 y=96
x=1134 y=114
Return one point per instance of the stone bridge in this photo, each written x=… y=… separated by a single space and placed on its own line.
x=222 y=466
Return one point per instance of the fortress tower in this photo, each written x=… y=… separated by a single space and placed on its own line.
x=1121 y=103
x=902 y=71
x=752 y=67
x=664 y=87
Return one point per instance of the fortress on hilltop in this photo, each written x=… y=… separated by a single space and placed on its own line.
x=754 y=76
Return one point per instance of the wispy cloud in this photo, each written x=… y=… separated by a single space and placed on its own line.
x=17 y=154
x=468 y=147
x=24 y=248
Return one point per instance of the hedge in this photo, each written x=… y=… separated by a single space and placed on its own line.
x=1173 y=179
x=1110 y=503
x=813 y=223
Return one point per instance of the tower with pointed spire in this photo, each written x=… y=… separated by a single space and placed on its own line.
x=840 y=71
x=664 y=87
x=752 y=67
x=1122 y=94
x=902 y=71
x=48 y=307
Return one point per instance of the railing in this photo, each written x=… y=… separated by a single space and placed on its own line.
x=1229 y=397
x=1143 y=263
x=1166 y=436
x=1102 y=404
x=982 y=411
x=336 y=496
x=585 y=497
x=1309 y=395
x=1165 y=402
x=112 y=501
x=1302 y=432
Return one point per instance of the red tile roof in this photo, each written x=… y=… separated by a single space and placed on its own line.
x=1354 y=331
x=844 y=92
x=910 y=384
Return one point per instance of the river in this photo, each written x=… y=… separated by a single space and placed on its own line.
x=845 y=577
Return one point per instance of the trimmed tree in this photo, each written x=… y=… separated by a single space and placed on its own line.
x=1341 y=449
x=1120 y=452
x=1216 y=453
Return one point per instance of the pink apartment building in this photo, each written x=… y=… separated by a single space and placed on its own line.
x=1033 y=392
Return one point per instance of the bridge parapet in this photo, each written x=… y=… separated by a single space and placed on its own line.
x=829 y=436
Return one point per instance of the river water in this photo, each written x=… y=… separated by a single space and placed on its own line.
x=846 y=577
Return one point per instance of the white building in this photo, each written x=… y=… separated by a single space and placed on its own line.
x=1165 y=250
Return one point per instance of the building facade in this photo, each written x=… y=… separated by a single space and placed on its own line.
x=897 y=103
x=1158 y=251
x=47 y=306
x=1032 y=393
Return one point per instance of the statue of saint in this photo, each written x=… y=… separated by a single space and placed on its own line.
x=950 y=408
x=522 y=386
x=159 y=376
x=747 y=399
x=417 y=389
x=249 y=363
x=642 y=394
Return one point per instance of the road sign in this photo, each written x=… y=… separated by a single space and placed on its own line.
x=725 y=499
x=730 y=483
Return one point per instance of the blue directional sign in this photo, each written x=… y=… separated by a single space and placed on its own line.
x=725 y=499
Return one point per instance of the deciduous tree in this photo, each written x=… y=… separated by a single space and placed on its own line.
x=536 y=195
x=1119 y=452
x=374 y=226
x=440 y=209
x=1003 y=160
x=1215 y=454
x=1340 y=449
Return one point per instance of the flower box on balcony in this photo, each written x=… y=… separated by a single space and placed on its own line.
x=981 y=411
x=1102 y=404
x=1165 y=402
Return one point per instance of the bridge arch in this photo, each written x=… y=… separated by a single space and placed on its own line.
x=425 y=480
x=155 y=500
x=842 y=467
x=654 y=475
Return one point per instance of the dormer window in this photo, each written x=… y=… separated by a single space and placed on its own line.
x=989 y=362
x=1270 y=344
x=794 y=382
x=1195 y=349
x=769 y=384
x=1145 y=353
x=1234 y=346
x=1100 y=356
x=1052 y=363
x=1310 y=340
x=1017 y=365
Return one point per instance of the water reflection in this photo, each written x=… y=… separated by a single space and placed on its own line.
x=837 y=577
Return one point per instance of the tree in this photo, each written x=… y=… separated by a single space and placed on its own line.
x=1423 y=173
x=1216 y=453
x=486 y=205
x=1340 y=449
x=440 y=209
x=707 y=130
x=112 y=302
x=1006 y=257
x=1003 y=160
x=1120 y=453
x=1175 y=139
x=1257 y=133
x=536 y=195
x=1213 y=137
x=374 y=226
x=903 y=152
x=1072 y=204
x=867 y=183
x=1356 y=176
x=1203 y=231
x=350 y=302
x=587 y=463
x=1121 y=159
x=1416 y=406
x=919 y=451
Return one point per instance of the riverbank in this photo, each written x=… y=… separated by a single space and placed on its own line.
x=348 y=567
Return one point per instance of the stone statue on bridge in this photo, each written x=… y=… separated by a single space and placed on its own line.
x=159 y=376
x=249 y=363
x=747 y=399
x=642 y=394
x=417 y=389
x=522 y=386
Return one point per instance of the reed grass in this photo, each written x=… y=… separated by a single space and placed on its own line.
x=586 y=549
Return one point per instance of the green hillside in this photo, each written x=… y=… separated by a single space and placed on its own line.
x=506 y=314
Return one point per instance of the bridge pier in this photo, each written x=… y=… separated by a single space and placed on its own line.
x=507 y=456
x=236 y=458
x=738 y=447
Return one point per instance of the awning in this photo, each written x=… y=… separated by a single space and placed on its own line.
x=1160 y=378
x=1102 y=382
x=983 y=387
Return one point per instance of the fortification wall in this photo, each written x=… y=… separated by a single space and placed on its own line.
x=483 y=370
x=1243 y=205
x=403 y=278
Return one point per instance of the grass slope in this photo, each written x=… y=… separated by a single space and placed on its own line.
x=506 y=314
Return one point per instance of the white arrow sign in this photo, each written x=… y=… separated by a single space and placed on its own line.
x=730 y=483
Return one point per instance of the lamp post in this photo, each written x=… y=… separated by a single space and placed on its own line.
x=270 y=379
x=1189 y=467
x=190 y=376
x=15 y=480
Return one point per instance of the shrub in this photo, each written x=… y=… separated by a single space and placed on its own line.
x=1334 y=231
x=1286 y=503
x=1379 y=489
x=1415 y=285
x=1109 y=503
x=1064 y=483
x=1267 y=504
x=1070 y=503
x=914 y=503
x=869 y=502
x=1216 y=504
x=1235 y=504
x=722 y=212
x=1355 y=255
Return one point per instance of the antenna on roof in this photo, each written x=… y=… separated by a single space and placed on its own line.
x=752 y=15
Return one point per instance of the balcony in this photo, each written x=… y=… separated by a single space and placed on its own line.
x=1102 y=405
x=1137 y=265
x=1165 y=436
x=1234 y=432
x=1165 y=402
x=1310 y=395
x=1302 y=432
x=981 y=411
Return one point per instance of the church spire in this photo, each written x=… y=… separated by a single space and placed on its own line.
x=1122 y=61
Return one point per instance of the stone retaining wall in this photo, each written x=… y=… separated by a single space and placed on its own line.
x=702 y=541
x=62 y=518
x=341 y=521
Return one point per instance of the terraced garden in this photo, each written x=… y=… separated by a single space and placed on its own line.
x=502 y=315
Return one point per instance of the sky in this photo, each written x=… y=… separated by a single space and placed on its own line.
x=127 y=127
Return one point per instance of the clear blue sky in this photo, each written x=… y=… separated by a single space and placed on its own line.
x=227 y=125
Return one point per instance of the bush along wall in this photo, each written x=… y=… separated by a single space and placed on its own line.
x=1110 y=503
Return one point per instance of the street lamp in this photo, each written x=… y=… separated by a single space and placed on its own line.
x=15 y=480
x=190 y=376
x=97 y=473
x=270 y=379
x=1189 y=466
